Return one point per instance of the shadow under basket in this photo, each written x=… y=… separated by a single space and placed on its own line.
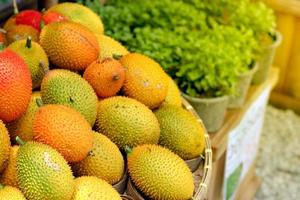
x=121 y=185
x=202 y=165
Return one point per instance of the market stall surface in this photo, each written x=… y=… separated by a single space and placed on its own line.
x=278 y=162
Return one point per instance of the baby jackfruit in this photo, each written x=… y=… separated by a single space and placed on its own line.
x=90 y=187
x=127 y=122
x=160 y=174
x=43 y=173
x=105 y=161
x=10 y=193
x=180 y=131
x=68 y=88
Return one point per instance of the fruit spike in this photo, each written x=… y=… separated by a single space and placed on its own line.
x=28 y=42
x=20 y=141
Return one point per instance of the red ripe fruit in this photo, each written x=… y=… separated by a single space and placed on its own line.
x=52 y=16
x=31 y=18
x=15 y=85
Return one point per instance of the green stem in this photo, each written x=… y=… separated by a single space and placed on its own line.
x=39 y=102
x=117 y=56
x=20 y=141
x=2 y=46
x=116 y=77
x=16 y=10
x=28 y=42
x=1 y=186
x=128 y=149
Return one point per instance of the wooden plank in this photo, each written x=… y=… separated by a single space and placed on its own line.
x=284 y=101
x=219 y=139
x=291 y=7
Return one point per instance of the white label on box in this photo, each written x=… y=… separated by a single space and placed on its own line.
x=243 y=143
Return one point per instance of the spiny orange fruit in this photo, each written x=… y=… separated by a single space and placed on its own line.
x=10 y=23
x=15 y=85
x=145 y=80
x=64 y=129
x=4 y=146
x=69 y=45
x=106 y=77
x=9 y=175
x=21 y=32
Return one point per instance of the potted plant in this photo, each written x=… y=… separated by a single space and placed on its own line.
x=259 y=18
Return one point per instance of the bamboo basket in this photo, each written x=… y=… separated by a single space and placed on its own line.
x=201 y=175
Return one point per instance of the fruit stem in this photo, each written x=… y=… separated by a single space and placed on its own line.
x=28 y=42
x=128 y=149
x=20 y=141
x=117 y=56
x=1 y=186
x=15 y=5
x=39 y=102
x=2 y=46
x=116 y=77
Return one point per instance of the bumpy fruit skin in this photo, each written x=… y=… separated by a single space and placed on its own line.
x=159 y=173
x=105 y=161
x=106 y=77
x=3 y=37
x=69 y=45
x=9 y=175
x=80 y=14
x=36 y=59
x=21 y=32
x=10 y=23
x=68 y=88
x=29 y=17
x=15 y=86
x=64 y=129
x=110 y=47
x=173 y=95
x=4 y=146
x=52 y=16
x=127 y=122
x=22 y=127
x=43 y=173
x=145 y=80
x=11 y=193
x=89 y=187
x=180 y=131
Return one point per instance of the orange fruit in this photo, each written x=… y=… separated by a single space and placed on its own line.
x=9 y=175
x=10 y=23
x=21 y=32
x=106 y=77
x=64 y=129
x=15 y=85
x=2 y=36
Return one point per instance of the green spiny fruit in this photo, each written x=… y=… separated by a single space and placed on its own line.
x=43 y=173
x=68 y=88
x=34 y=56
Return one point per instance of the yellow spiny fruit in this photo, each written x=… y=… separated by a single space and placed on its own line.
x=89 y=187
x=9 y=175
x=10 y=193
x=105 y=161
x=110 y=47
x=145 y=80
x=4 y=146
x=22 y=127
x=80 y=14
x=173 y=95
x=159 y=173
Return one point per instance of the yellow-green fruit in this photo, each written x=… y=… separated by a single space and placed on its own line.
x=35 y=57
x=10 y=193
x=145 y=80
x=173 y=95
x=127 y=122
x=4 y=146
x=180 y=131
x=80 y=14
x=159 y=173
x=70 y=89
x=105 y=161
x=110 y=47
x=22 y=127
x=90 y=187
x=9 y=175
x=43 y=173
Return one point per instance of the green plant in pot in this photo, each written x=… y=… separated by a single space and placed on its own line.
x=259 y=18
x=207 y=77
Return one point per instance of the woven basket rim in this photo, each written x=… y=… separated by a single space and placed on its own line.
x=201 y=192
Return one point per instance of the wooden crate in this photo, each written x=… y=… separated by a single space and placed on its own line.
x=219 y=141
x=287 y=91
